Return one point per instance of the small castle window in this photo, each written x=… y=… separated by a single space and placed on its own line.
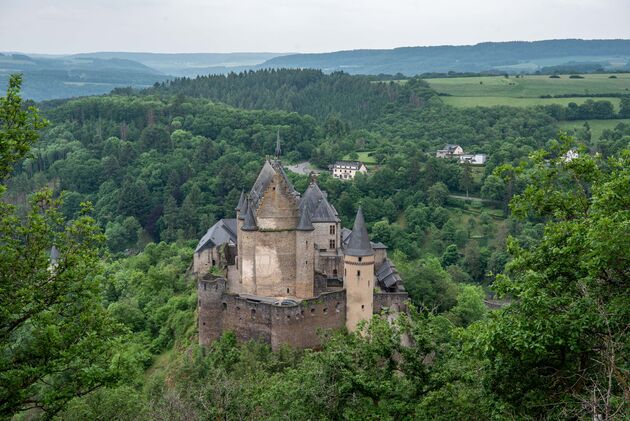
x=358 y=273
x=362 y=307
x=204 y=323
x=332 y=230
x=360 y=259
x=335 y=272
x=224 y=306
x=214 y=262
x=368 y=284
x=312 y=311
x=325 y=310
x=338 y=307
x=331 y=244
x=253 y=313
x=288 y=292
x=288 y=316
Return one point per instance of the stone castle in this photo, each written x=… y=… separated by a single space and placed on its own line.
x=284 y=271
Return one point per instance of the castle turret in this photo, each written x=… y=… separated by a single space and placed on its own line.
x=304 y=257
x=358 y=274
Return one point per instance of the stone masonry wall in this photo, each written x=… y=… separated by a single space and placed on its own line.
x=298 y=325
x=395 y=301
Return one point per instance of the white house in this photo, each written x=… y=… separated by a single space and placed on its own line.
x=450 y=151
x=476 y=159
x=346 y=170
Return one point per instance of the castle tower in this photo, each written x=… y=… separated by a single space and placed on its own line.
x=304 y=257
x=358 y=274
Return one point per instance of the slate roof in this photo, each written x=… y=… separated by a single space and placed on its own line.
x=387 y=275
x=222 y=232
x=305 y=223
x=325 y=212
x=359 y=243
x=353 y=165
x=249 y=224
x=240 y=201
x=314 y=205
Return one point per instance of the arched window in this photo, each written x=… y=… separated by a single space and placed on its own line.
x=224 y=306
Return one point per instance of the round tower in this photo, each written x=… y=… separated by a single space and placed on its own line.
x=358 y=276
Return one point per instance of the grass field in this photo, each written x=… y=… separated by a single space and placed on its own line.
x=363 y=157
x=490 y=101
x=531 y=86
x=597 y=126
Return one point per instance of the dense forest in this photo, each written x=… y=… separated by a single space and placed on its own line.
x=124 y=185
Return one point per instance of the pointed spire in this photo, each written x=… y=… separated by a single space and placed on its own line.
x=305 y=223
x=244 y=206
x=278 y=149
x=359 y=242
x=250 y=220
x=241 y=199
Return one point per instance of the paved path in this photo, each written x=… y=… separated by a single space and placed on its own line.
x=304 y=168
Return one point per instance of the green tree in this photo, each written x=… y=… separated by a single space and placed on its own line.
x=18 y=127
x=438 y=193
x=450 y=256
x=466 y=178
x=561 y=349
x=56 y=339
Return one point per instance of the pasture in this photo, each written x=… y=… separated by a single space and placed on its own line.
x=597 y=126
x=491 y=101
x=532 y=86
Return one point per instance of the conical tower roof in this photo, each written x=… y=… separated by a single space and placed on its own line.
x=240 y=201
x=324 y=212
x=250 y=220
x=359 y=242
x=305 y=223
x=244 y=207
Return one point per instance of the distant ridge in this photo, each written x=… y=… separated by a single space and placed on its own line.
x=511 y=57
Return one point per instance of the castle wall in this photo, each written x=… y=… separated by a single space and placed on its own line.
x=247 y=260
x=379 y=257
x=393 y=301
x=202 y=260
x=249 y=320
x=301 y=326
x=322 y=235
x=275 y=259
x=329 y=264
x=304 y=264
x=210 y=293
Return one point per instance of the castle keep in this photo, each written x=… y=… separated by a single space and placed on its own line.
x=284 y=270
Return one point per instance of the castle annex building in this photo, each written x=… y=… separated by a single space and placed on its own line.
x=284 y=269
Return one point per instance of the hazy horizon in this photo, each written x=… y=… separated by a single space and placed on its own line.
x=283 y=26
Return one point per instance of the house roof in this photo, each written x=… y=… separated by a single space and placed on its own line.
x=222 y=232
x=387 y=275
x=359 y=242
x=354 y=165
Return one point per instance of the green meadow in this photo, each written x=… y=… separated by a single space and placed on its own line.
x=597 y=126
x=490 y=101
x=531 y=86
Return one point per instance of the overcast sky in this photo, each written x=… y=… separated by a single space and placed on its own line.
x=69 y=26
